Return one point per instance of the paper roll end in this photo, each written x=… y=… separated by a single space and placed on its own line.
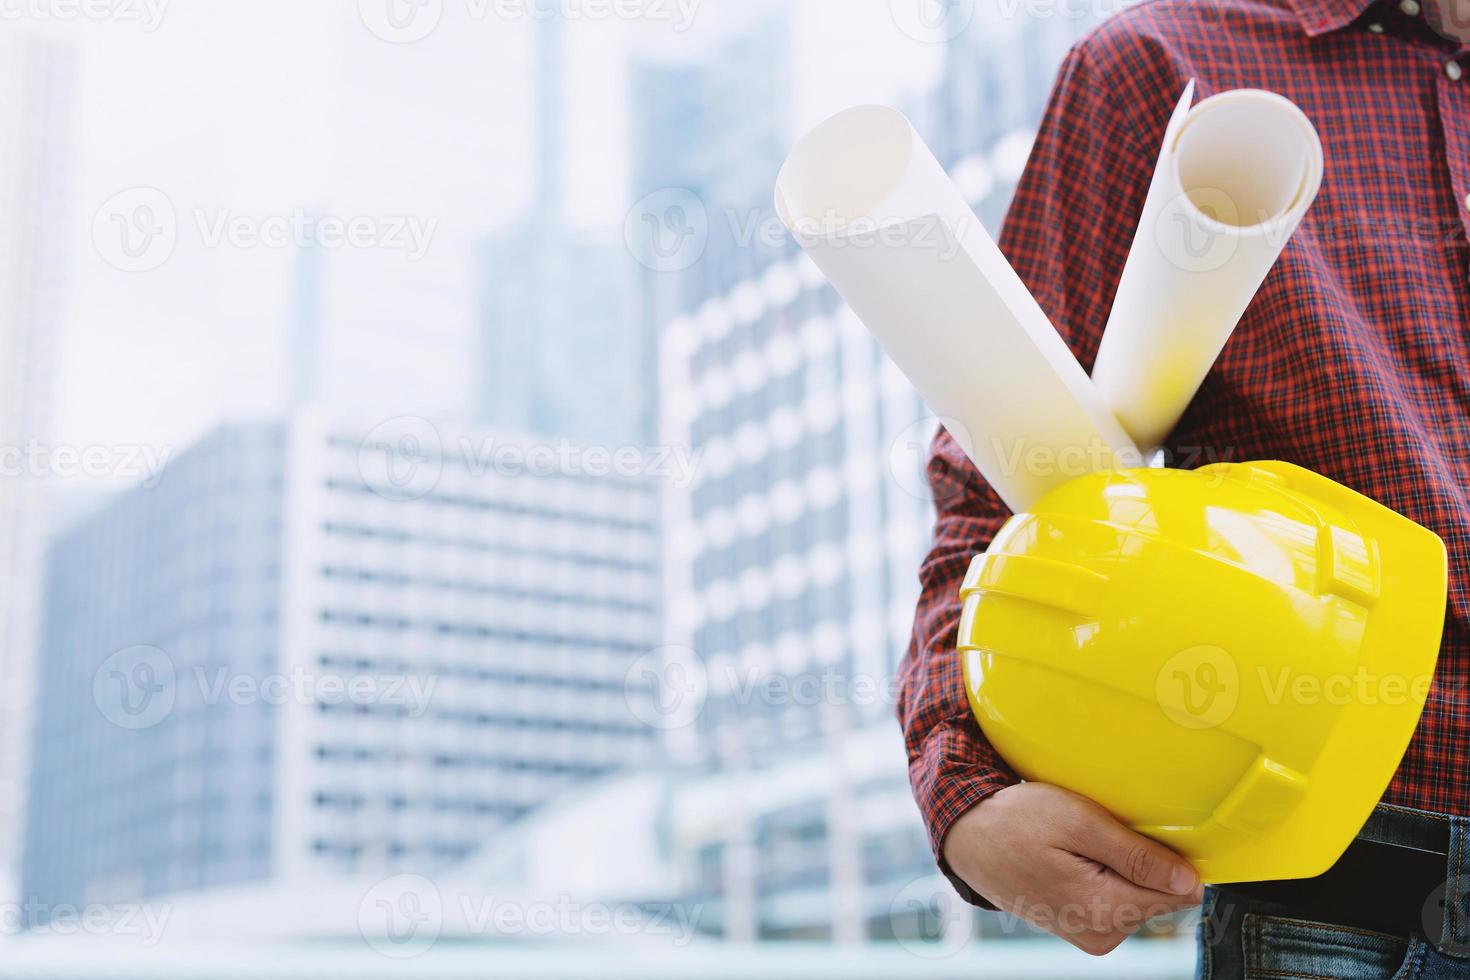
x=844 y=169
x=1248 y=158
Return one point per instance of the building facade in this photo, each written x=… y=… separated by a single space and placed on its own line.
x=313 y=651
x=36 y=94
x=145 y=780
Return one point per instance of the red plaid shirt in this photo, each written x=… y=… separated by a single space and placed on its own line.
x=1353 y=359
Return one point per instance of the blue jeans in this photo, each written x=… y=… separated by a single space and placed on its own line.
x=1244 y=938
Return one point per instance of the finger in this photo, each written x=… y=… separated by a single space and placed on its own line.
x=1133 y=905
x=1094 y=907
x=1135 y=857
x=1115 y=903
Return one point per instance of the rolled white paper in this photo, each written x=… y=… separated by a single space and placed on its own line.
x=870 y=204
x=1234 y=177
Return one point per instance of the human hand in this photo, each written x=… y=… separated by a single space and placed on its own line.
x=1066 y=865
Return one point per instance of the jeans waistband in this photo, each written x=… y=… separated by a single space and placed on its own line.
x=1420 y=829
x=1447 y=906
x=1407 y=872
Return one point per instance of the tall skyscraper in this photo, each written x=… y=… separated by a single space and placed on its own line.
x=708 y=135
x=718 y=126
x=307 y=652
x=559 y=355
x=305 y=361
x=36 y=80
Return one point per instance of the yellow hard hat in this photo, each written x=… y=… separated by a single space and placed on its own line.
x=1231 y=659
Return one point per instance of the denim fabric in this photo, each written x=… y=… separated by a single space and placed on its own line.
x=1246 y=938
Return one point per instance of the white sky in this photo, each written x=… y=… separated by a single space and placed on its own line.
x=265 y=107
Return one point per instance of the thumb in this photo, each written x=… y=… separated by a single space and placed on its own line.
x=1144 y=862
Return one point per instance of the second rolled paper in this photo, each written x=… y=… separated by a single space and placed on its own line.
x=1233 y=179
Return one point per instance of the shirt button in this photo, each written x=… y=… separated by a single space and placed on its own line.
x=1452 y=69
x=1467 y=202
x=1376 y=28
x=1410 y=7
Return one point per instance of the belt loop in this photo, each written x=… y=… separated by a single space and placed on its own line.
x=1454 y=934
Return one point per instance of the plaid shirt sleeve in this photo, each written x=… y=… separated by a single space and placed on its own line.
x=1067 y=234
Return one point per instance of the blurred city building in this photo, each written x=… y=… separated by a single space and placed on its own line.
x=790 y=565
x=309 y=652
x=645 y=839
x=669 y=832
x=560 y=351
x=717 y=124
x=998 y=71
x=707 y=136
x=36 y=82
x=789 y=574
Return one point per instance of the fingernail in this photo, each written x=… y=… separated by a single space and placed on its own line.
x=1183 y=880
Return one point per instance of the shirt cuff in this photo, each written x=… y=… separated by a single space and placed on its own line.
x=953 y=772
